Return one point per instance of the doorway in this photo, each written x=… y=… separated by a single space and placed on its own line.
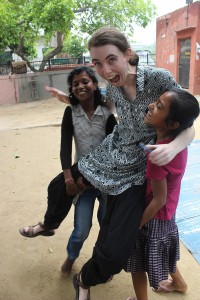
x=184 y=62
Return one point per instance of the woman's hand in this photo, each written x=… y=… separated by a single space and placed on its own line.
x=161 y=154
x=61 y=96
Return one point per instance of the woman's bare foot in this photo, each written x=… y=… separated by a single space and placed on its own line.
x=83 y=294
x=82 y=291
x=36 y=229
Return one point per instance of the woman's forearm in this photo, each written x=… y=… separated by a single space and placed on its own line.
x=183 y=139
x=162 y=154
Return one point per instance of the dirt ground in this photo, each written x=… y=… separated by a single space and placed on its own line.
x=30 y=268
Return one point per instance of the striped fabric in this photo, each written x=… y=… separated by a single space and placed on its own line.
x=156 y=251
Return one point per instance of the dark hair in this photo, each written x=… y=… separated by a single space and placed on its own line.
x=97 y=93
x=112 y=36
x=184 y=109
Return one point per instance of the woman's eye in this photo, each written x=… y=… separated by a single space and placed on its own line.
x=96 y=64
x=111 y=60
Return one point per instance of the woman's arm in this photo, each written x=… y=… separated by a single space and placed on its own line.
x=57 y=94
x=159 y=189
x=162 y=154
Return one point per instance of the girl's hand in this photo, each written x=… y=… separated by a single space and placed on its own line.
x=72 y=189
x=57 y=94
x=82 y=186
x=162 y=154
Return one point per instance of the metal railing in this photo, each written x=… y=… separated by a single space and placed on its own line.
x=56 y=64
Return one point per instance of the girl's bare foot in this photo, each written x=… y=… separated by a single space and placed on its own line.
x=67 y=267
x=170 y=285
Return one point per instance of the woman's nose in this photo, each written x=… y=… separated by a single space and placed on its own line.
x=106 y=70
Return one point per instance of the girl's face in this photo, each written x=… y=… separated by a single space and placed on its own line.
x=83 y=87
x=158 y=112
x=110 y=63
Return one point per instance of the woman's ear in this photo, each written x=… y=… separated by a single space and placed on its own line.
x=128 y=54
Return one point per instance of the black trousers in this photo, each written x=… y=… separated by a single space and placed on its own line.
x=58 y=201
x=116 y=237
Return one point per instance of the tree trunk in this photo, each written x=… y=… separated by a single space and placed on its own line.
x=46 y=58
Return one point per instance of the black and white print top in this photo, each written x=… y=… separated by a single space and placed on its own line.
x=118 y=163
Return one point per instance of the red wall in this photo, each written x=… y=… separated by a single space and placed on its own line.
x=170 y=29
x=9 y=90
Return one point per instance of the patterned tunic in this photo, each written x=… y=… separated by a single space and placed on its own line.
x=118 y=163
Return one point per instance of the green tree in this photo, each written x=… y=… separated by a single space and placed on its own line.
x=74 y=46
x=21 y=21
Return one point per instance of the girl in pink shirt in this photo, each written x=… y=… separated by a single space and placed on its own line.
x=156 y=251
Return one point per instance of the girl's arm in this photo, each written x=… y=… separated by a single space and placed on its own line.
x=159 y=189
x=71 y=186
x=162 y=154
x=111 y=122
x=61 y=96
x=67 y=132
x=109 y=104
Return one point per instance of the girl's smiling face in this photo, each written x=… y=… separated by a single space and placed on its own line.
x=159 y=112
x=110 y=63
x=83 y=87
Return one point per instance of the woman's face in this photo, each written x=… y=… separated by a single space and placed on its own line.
x=158 y=112
x=110 y=63
x=83 y=87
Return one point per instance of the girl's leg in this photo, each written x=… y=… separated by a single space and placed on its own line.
x=140 y=285
x=82 y=224
x=177 y=283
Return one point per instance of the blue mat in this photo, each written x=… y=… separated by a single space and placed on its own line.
x=188 y=212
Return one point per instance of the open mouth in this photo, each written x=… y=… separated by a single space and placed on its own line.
x=148 y=116
x=113 y=79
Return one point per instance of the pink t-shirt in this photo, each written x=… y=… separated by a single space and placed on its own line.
x=173 y=172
